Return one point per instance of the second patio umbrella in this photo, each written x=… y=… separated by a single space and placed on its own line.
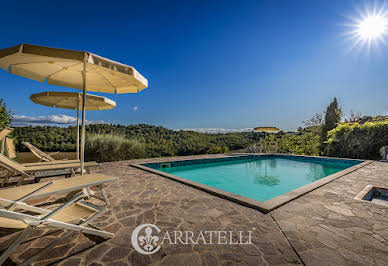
x=266 y=130
x=73 y=101
x=74 y=69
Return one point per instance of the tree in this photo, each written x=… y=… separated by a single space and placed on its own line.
x=5 y=115
x=354 y=117
x=314 y=124
x=316 y=120
x=332 y=118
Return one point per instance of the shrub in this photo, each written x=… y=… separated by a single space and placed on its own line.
x=109 y=147
x=299 y=143
x=217 y=149
x=305 y=144
x=357 y=141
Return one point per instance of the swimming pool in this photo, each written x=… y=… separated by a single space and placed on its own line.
x=255 y=179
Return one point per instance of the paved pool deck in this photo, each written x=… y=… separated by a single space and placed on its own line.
x=326 y=226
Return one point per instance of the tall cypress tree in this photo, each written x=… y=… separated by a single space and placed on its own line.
x=332 y=118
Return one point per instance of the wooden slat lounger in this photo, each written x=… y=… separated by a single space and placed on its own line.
x=74 y=216
x=14 y=168
x=3 y=133
x=38 y=153
x=11 y=152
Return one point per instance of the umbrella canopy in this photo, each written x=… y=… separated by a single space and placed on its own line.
x=72 y=100
x=65 y=68
x=266 y=129
x=73 y=69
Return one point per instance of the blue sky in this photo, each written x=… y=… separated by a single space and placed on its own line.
x=210 y=64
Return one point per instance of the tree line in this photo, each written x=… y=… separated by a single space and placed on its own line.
x=157 y=140
x=324 y=134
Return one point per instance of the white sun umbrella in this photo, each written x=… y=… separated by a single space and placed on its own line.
x=74 y=69
x=72 y=101
x=266 y=130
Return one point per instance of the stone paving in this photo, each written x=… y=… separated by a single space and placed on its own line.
x=324 y=227
x=329 y=227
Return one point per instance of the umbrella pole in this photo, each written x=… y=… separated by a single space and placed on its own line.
x=83 y=115
x=77 y=144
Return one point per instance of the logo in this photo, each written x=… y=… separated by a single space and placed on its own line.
x=144 y=241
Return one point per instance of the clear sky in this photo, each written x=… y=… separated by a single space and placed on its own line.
x=210 y=64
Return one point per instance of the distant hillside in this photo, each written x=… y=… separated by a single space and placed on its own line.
x=368 y=118
x=158 y=141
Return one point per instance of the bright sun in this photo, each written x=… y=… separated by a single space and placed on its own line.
x=372 y=27
x=369 y=28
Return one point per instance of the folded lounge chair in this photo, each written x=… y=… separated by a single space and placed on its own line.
x=38 y=153
x=11 y=152
x=3 y=133
x=259 y=148
x=14 y=168
x=273 y=147
x=256 y=148
x=73 y=216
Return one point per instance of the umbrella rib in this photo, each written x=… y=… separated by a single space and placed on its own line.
x=108 y=80
x=102 y=75
x=60 y=101
x=56 y=72
x=127 y=80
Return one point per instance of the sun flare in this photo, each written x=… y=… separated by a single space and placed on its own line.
x=372 y=27
x=369 y=28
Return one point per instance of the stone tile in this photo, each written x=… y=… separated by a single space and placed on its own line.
x=96 y=253
x=346 y=232
x=115 y=254
x=191 y=259
x=209 y=259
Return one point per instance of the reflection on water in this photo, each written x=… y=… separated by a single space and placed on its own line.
x=260 y=168
x=267 y=180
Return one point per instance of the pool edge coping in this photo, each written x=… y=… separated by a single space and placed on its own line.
x=270 y=204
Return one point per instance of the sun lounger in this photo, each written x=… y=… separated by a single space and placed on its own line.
x=256 y=148
x=11 y=152
x=74 y=216
x=38 y=153
x=273 y=147
x=14 y=168
x=259 y=148
x=62 y=186
x=51 y=162
x=3 y=133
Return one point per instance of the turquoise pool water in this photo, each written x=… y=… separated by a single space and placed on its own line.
x=260 y=178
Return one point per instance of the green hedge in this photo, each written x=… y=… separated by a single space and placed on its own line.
x=304 y=144
x=358 y=141
x=217 y=149
x=107 y=148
